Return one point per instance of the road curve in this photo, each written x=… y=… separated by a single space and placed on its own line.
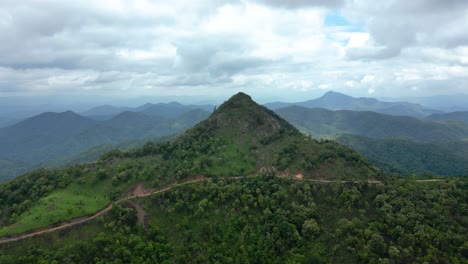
x=69 y=223
x=80 y=220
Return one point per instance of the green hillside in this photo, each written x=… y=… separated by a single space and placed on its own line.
x=409 y=157
x=48 y=139
x=241 y=137
x=395 y=144
x=458 y=116
x=326 y=123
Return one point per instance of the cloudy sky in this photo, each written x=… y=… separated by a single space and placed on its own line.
x=272 y=49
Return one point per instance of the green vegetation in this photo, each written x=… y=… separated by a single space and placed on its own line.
x=270 y=195
x=74 y=201
x=458 y=116
x=396 y=144
x=273 y=220
x=58 y=139
x=115 y=238
x=326 y=123
x=408 y=157
x=240 y=138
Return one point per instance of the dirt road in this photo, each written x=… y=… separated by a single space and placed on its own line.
x=73 y=222
x=139 y=191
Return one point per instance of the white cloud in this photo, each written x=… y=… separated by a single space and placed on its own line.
x=368 y=78
x=276 y=48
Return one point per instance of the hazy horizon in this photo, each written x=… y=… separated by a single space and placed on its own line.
x=19 y=107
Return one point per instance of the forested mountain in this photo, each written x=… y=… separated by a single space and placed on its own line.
x=325 y=123
x=23 y=140
x=163 y=110
x=338 y=101
x=104 y=110
x=242 y=186
x=457 y=116
x=44 y=138
x=396 y=144
x=409 y=157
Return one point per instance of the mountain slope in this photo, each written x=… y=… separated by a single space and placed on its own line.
x=457 y=116
x=409 y=157
x=172 y=109
x=326 y=123
x=445 y=103
x=24 y=140
x=338 y=101
x=48 y=138
x=246 y=137
x=164 y=110
x=104 y=110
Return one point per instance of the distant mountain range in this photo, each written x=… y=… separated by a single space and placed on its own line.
x=56 y=139
x=338 y=101
x=397 y=144
x=50 y=136
x=445 y=103
x=326 y=123
x=165 y=110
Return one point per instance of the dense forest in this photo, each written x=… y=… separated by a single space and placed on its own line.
x=408 y=157
x=272 y=220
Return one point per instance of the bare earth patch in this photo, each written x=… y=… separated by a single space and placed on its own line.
x=299 y=176
x=139 y=190
x=141 y=213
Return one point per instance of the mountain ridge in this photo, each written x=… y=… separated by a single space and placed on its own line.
x=166 y=110
x=451 y=116
x=338 y=101
x=322 y=122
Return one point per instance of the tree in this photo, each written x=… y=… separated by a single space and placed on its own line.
x=310 y=228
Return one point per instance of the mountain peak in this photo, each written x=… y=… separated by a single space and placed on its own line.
x=242 y=136
x=238 y=100
x=335 y=94
x=242 y=114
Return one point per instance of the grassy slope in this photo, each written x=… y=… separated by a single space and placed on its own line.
x=77 y=200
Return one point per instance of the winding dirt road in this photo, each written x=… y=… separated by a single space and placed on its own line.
x=139 y=191
x=81 y=220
